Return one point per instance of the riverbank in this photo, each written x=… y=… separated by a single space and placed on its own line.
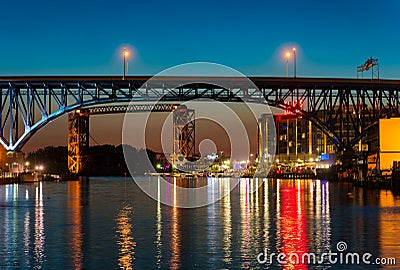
x=11 y=178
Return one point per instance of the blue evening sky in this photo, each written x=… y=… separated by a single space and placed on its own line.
x=85 y=37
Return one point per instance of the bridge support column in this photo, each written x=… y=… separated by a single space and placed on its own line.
x=78 y=140
x=184 y=136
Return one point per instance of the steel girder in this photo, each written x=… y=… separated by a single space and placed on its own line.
x=342 y=108
x=130 y=108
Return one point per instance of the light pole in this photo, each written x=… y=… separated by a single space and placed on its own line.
x=294 y=61
x=125 y=54
x=287 y=55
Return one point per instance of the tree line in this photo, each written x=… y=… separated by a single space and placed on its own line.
x=100 y=160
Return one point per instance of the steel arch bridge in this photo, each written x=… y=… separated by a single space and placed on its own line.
x=344 y=109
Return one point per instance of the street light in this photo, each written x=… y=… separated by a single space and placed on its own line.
x=287 y=55
x=294 y=61
x=125 y=53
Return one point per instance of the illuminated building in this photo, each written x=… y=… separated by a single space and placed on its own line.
x=298 y=138
x=266 y=140
x=12 y=162
x=382 y=144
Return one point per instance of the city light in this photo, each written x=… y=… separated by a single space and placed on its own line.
x=287 y=56
x=125 y=54
x=297 y=105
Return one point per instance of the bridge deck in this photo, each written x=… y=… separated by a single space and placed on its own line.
x=259 y=81
x=343 y=108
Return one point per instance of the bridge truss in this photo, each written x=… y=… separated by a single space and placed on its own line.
x=344 y=109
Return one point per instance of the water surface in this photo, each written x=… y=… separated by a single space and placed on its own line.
x=109 y=223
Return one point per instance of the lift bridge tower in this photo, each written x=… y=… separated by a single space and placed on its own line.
x=78 y=140
x=184 y=136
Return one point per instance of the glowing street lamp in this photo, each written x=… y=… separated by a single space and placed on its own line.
x=27 y=165
x=125 y=54
x=294 y=61
x=287 y=56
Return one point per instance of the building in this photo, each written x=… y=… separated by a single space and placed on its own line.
x=14 y=162
x=299 y=139
x=266 y=141
x=382 y=145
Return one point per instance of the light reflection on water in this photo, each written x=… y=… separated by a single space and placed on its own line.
x=126 y=245
x=227 y=225
x=39 y=236
x=110 y=223
x=159 y=229
x=292 y=229
x=175 y=234
x=74 y=221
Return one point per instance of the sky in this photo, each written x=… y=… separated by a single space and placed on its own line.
x=86 y=38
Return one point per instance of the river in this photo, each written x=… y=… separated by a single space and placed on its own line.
x=109 y=223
